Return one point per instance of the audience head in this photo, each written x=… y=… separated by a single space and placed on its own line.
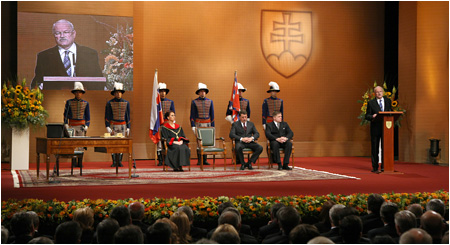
x=374 y=202
x=206 y=241
x=68 y=232
x=325 y=212
x=226 y=234
x=22 y=224
x=416 y=209
x=137 y=210
x=387 y=212
x=404 y=220
x=334 y=214
x=84 y=217
x=35 y=218
x=5 y=235
x=188 y=211
x=159 y=233
x=382 y=239
x=184 y=227
x=274 y=209
x=288 y=218
x=416 y=236
x=106 y=230
x=173 y=227
x=121 y=214
x=129 y=234
x=320 y=240
x=302 y=233
x=445 y=238
x=436 y=205
x=432 y=223
x=230 y=217
x=223 y=206
x=351 y=229
x=41 y=240
x=347 y=211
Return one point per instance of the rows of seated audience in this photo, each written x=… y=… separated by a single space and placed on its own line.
x=384 y=224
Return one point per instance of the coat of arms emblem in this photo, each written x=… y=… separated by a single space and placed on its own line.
x=286 y=39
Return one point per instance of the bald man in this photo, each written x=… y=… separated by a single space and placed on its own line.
x=137 y=214
x=416 y=236
x=432 y=223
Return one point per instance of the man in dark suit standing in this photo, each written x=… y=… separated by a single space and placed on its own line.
x=244 y=133
x=67 y=58
x=379 y=103
x=279 y=134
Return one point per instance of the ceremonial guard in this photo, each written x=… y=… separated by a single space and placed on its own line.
x=271 y=104
x=244 y=103
x=202 y=113
x=167 y=105
x=117 y=118
x=77 y=117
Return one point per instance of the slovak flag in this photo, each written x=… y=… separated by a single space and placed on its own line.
x=156 y=115
x=235 y=99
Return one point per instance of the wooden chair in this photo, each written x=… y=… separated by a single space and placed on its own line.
x=75 y=155
x=164 y=153
x=246 y=151
x=269 y=153
x=206 y=145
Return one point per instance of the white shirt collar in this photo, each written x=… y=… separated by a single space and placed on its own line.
x=72 y=49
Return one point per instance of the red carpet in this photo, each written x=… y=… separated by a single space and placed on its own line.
x=415 y=178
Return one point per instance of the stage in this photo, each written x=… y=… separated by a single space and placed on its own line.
x=339 y=175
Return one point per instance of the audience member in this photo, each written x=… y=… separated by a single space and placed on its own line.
x=320 y=240
x=431 y=222
x=173 y=227
x=121 y=214
x=206 y=241
x=159 y=233
x=417 y=210
x=416 y=236
x=226 y=234
x=373 y=220
x=288 y=218
x=324 y=225
x=404 y=221
x=438 y=206
x=41 y=240
x=196 y=233
x=184 y=228
x=342 y=213
x=445 y=238
x=5 y=235
x=105 y=231
x=232 y=216
x=302 y=233
x=383 y=239
x=21 y=227
x=85 y=218
x=68 y=232
x=273 y=226
x=246 y=229
x=387 y=213
x=351 y=230
x=35 y=218
x=129 y=234
x=137 y=211
x=334 y=220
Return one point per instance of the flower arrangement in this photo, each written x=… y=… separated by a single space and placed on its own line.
x=22 y=106
x=119 y=58
x=369 y=95
x=205 y=208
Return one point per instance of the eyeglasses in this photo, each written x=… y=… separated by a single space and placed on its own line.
x=64 y=34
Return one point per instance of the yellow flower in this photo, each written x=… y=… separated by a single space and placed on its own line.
x=17 y=91
x=388 y=94
x=394 y=103
x=4 y=91
x=18 y=87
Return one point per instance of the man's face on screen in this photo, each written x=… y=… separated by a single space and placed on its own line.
x=64 y=35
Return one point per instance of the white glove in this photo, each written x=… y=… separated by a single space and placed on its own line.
x=66 y=126
x=248 y=118
x=264 y=126
x=229 y=119
x=85 y=128
x=108 y=129
x=193 y=129
x=128 y=132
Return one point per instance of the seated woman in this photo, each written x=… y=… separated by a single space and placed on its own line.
x=178 y=153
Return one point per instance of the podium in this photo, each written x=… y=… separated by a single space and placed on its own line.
x=388 y=119
x=66 y=83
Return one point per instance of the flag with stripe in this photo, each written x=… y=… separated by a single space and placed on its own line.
x=235 y=99
x=156 y=115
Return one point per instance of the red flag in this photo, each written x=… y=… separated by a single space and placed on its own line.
x=156 y=116
x=235 y=99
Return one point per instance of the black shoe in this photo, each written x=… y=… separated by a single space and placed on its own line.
x=198 y=163
x=206 y=163
x=242 y=167
x=279 y=166
x=382 y=170
x=159 y=163
x=285 y=167
x=120 y=164
x=249 y=165
x=181 y=169
x=374 y=171
x=176 y=170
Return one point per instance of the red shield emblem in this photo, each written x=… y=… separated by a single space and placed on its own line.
x=286 y=40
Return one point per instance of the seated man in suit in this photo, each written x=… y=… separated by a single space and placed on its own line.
x=244 y=133
x=279 y=134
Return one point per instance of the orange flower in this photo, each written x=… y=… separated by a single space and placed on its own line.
x=168 y=205
x=241 y=211
x=208 y=209
x=74 y=207
x=163 y=213
x=71 y=216
x=100 y=215
x=50 y=208
x=162 y=205
x=211 y=214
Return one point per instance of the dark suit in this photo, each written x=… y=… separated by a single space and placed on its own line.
x=388 y=229
x=276 y=238
x=267 y=230
x=376 y=128
x=272 y=133
x=237 y=132
x=49 y=63
x=371 y=221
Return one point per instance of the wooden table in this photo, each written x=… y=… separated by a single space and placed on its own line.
x=49 y=146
